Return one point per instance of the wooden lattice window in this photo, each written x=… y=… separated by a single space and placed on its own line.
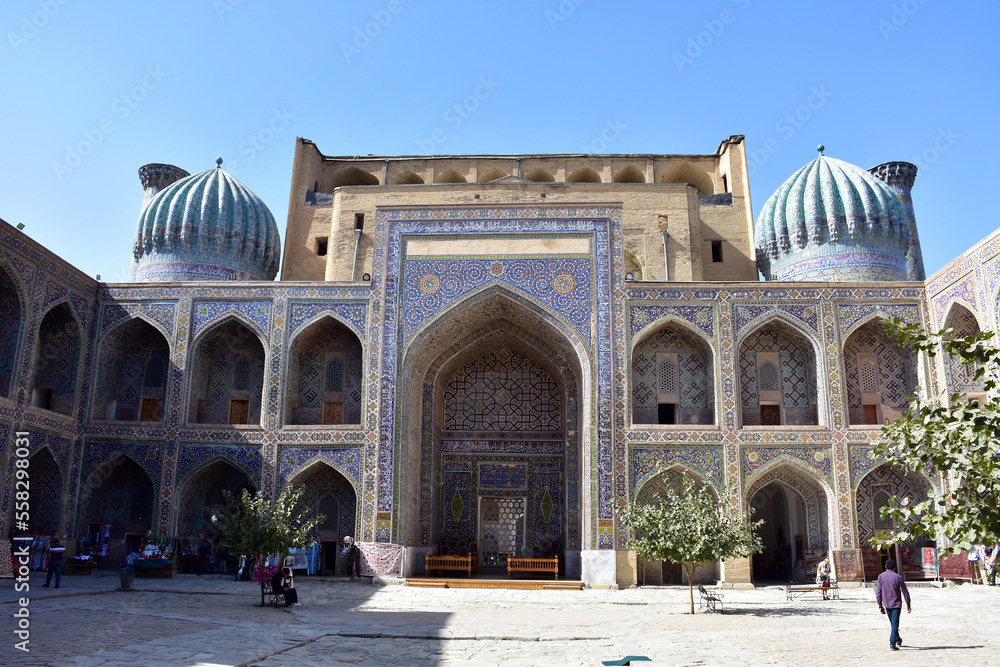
x=768 y=376
x=241 y=374
x=335 y=375
x=869 y=378
x=667 y=379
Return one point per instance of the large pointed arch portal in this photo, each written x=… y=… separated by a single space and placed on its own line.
x=445 y=273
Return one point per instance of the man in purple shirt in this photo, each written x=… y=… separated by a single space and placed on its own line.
x=890 y=591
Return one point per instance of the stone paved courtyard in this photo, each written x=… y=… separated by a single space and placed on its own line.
x=209 y=620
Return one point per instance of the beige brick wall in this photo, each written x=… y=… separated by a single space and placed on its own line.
x=647 y=208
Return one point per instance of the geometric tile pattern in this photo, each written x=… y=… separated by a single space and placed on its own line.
x=502 y=392
x=875 y=489
x=798 y=374
x=10 y=330
x=896 y=369
x=59 y=338
x=642 y=315
x=309 y=358
x=694 y=391
x=645 y=461
x=961 y=376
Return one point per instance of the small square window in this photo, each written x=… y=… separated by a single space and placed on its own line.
x=321 y=244
x=716 y=251
x=359 y=220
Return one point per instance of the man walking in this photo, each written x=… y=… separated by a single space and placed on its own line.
x=56 y=552
x=889 y=593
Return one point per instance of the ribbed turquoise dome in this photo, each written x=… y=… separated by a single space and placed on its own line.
x=207 y=226
x=832 y=220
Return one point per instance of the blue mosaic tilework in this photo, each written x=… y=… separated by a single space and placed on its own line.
x=694 y=388
x=754 y=459
x=353 y=314
x=292 y=461
x=645 y=461
x=746 y=315
x=896 y=373
x=797 y=374
x=503 y=476
x=245 y=457
x=882 y=483
x=95 y=453
x=961 y=377
x=852 y=315
x=430 y=285
x=393 y=224
x=510 y=447
x=55 y=292
x=643 y=315
x=258 y=313
x=964 y=293
x=161 y=313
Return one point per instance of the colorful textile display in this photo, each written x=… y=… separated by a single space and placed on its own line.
x=381 y=559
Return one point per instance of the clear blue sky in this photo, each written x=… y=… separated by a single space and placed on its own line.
x=186 y=81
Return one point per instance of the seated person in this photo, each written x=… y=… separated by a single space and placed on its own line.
x=282 y=584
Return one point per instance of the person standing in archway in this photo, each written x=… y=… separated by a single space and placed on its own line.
x=890 y=591
x=349 y=551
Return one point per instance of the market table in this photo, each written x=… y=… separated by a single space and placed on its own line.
x=153 y=567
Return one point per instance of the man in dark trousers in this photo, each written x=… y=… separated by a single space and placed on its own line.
x=890 y=591
x=56 y=552
x=204 y=550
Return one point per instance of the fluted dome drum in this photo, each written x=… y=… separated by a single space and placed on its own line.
x=833 y=221
x=208 y=226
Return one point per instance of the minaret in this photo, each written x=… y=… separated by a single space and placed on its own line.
x=155 y=177
x=899 y=176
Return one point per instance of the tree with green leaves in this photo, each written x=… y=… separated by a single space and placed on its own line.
x=687 y=525
x=251 y=524
x=952 y=435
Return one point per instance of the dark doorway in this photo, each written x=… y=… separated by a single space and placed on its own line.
x=667 y=413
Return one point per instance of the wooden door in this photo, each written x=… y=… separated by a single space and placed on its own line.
x=333 y=413
x=770 y=415
x=870 y=413
x=150 y=411
x=239 y=411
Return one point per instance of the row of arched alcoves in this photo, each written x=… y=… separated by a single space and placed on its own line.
x=779 y=375
x=674 y=372
x=799 y=513
x=122 y=496
x=683 y=172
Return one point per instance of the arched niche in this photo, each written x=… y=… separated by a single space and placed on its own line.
x=879 y=375
x=961 y=377
x=10 y=331
x=202 y=490
x=407 y=178
x=665 y=573
x=875 y=491
x=227 y=375
x=57 y=358
x=492 y=321
x=352 y=176
x=45 y=494
x=685 y=172
x=672 y=377
x=121 y=496
x=330 y=493
x=324 y=383
x=450 y=176
x=795 y=505
x=539 y=175
x=629 y=174
x=632 y=265
x=492 y=175
x=583 y=175
x=778 y=377
x=134 y=364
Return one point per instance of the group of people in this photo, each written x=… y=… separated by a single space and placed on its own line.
x=283 y=582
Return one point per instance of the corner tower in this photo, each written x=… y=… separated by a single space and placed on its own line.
x=899 y=176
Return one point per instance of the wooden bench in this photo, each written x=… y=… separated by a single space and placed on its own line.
x=711 y=601
x=518 y=564
x=460 y=563
x=793 y=592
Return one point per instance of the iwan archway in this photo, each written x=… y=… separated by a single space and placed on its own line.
x=492 y=441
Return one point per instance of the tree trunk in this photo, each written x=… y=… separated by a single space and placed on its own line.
x=689 y=570
x=260 y=564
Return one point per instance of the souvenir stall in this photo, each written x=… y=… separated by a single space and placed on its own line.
x=155 y=557
x=39 y=548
